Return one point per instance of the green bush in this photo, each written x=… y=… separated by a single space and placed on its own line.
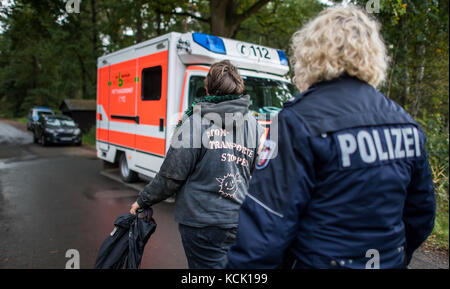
x=22 y=119
x=437 y=147
x=89 y=137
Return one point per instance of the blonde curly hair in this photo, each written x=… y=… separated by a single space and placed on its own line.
x=340 y=39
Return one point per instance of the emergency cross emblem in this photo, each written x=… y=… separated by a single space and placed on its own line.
x=266 y=154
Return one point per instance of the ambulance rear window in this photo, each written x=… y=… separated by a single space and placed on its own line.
x=151 y=83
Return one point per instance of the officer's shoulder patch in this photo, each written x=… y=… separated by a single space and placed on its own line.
x=266 y=154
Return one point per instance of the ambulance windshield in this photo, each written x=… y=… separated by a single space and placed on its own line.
x=266 y=95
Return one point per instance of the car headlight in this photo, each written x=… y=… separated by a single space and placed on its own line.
x=77 y=131
x=49 y=130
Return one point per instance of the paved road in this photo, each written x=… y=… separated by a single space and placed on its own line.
x=53 y=199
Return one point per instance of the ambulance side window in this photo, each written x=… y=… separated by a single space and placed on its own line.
x=196 y=88
x=151 y=83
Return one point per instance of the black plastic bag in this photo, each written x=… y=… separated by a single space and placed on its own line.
x=125 y=245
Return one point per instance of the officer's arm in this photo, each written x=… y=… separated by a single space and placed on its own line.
x=420 y=206
x=178 y=164
x=279 y=192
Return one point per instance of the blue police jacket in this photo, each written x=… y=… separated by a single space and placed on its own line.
x=346 y=185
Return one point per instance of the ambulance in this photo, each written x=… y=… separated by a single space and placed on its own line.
x=143 y=90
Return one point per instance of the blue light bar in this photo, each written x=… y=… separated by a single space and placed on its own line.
x=210 y=42
x=283 y=58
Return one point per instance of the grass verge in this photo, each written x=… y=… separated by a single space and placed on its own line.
x=22 y=119
x=437 y=146
x=439 y=238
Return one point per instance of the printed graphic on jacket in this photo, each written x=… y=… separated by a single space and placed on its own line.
x=265 y=154
x=228 y=185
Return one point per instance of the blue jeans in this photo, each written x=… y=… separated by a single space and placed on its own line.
x=206 y=248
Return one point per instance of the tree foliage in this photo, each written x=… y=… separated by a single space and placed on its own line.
x=48 y=54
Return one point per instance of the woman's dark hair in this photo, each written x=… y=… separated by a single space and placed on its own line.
x=223 y=78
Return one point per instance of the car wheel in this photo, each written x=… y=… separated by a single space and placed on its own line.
x=127 y=175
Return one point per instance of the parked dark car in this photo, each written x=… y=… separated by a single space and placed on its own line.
x=35 y=113
x=56 y=129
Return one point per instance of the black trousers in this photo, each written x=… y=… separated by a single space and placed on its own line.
x=207 y=247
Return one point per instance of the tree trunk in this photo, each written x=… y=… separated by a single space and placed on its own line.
x=95 y=53
x=94 y=29
x=138 y=25
x=403 y=54
x=185 y=26
x=83 y=77
x=225 y=19
x=418 y=81
x=218 y=21
x=35 y=75
x=158 y=22
x=392 y=70
x=405 y=94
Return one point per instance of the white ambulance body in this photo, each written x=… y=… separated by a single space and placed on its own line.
x=143 y=90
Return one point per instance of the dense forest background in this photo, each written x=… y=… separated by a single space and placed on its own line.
x=48 y=54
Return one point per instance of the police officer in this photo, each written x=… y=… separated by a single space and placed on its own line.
x=347 y=184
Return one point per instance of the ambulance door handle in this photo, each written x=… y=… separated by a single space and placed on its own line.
x=161 y=124
x=133 y=118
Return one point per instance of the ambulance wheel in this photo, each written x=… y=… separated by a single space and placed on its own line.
x=128 y=176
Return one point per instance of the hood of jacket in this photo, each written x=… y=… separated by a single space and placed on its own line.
x=238 y=107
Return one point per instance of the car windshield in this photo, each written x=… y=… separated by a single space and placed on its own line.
x=266 y=95
x=44 y=112
x=52 y=121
